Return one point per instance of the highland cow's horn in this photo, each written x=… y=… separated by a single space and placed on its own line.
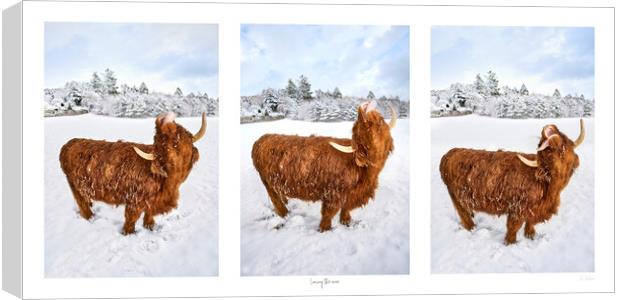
x=582 y=134
x=394 y=117
x=545 y=144
x=529 y=163
x=203 y=128
x=341 y=148
x=147 y=156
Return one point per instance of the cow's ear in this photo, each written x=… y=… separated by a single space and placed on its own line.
x=361 y=156
x=361 y=161
x=157 y=169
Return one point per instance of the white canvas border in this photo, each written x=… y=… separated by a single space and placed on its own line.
x=229 y=17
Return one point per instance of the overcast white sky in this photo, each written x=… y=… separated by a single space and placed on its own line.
x=544 y=58
x=164 y=56
x=355 y=59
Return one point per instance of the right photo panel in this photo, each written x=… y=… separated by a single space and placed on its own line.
x=512 y=149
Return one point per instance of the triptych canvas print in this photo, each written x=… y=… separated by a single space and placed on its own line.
x=394 y=150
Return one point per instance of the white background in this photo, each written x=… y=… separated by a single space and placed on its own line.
x=420 y=280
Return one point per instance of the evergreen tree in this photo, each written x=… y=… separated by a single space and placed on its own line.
x=479 y=85
x=556 y=93
x=178 y=92
x=271 y=100
x=291 y=89
x=371 y=95
x=337 y=94
x=143 y=89
x=304 y=88
x=125 y=89
x=109 y=82
x=492 y=84
x=458 y=97
x=523 y=91
x=96 y=84
x=319 y=94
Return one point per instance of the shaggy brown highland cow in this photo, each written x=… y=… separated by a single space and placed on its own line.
x=526 y=187
x=145 y=178
x=342 y=173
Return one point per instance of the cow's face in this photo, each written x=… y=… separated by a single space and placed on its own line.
x=174 y=153
x=371 y=139
x=557 y=152
x=555 y=157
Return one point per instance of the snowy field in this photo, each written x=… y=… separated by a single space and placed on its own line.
x=377 y=243
x=564 y=244
x=184 y=242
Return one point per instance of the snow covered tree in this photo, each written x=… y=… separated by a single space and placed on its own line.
x=523 y=91
x=178 y=92
x=458 y=97
x=304 y=88
x=96 y=84
x=109 y=82
x=212 y=106
x=492 y=84
x=143 y=89
x=125 y=89
x=371 y=95
x=74 y=97
x=337 y=94
x=556 y=93
x=270 y=103
x=291 y=89
x=319 y=94
x=479 y=85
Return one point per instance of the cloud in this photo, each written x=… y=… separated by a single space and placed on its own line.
x=355 y=59
x=543 y=58
x=164 y=56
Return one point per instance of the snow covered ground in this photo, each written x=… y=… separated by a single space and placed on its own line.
x=184 y=242
x=377 y=243
x=564 y=244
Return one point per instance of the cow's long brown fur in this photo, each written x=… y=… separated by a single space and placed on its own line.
x=308 y=168
x=114 y=173
x=498 y=183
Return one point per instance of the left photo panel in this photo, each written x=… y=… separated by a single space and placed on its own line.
x=131 y=149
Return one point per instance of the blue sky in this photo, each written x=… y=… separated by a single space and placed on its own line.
x=163 y=56
x=544 y=58
x=356 y=59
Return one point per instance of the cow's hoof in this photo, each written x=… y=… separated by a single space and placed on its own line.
x=88 y=216
x=346 y=222
x=282 y=214
x=149 y=226
x=530 y=235
x=509 y=242
x=128 y=231
x=468 y=227
x=325 y=228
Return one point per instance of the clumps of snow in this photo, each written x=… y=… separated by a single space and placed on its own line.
x=564 y=244
x=184 y=241
x=377 y=242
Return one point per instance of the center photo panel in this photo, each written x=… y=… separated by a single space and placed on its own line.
x=324 y=114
